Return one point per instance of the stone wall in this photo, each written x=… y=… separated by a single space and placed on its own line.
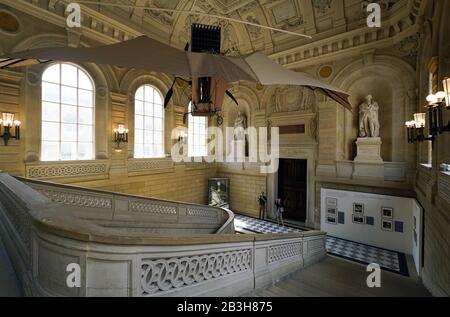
x=245 y=188
x=432 y=186
x=181 y=184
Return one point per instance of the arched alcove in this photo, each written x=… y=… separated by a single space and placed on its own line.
x=382 y=93
x=248 y=103
x=391 y=81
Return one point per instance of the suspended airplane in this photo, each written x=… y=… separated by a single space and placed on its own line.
x=205 y=69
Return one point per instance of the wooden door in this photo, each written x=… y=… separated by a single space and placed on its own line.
x=292 y=188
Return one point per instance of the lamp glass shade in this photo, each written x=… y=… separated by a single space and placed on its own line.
x=446 y=84
x=431 y=99
x=8 y=119
x=17 y=123
x=410 y=124
x=420 y=119
x=120 y=128
x=440 y=95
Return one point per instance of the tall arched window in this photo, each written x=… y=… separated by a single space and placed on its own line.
x=148 y=123
x=197 y=135
x=67 y=114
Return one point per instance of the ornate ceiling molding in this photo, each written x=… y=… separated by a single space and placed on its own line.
x=308 y=16
x=397 y=29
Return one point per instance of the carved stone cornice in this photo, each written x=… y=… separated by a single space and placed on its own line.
x=95 y=25
x=396 y=27
x=343 y=45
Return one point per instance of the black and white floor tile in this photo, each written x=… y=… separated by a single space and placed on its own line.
x=261 y=226
x=388 y=260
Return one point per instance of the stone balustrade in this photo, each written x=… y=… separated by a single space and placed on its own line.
x=48 y=228
x=140 y=214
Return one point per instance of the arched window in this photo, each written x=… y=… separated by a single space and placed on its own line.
x=148 y=123
x=197 y=135
x=67 y=114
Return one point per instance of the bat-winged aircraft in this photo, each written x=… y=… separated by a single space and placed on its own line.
x=208 y=74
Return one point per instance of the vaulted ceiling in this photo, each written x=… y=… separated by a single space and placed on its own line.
x=318 y=18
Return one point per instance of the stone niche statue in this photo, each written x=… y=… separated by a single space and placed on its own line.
x=240 y=124
x=369 y=124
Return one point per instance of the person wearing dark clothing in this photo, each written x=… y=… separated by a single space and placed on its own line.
x=279 y=207
x=262 y=199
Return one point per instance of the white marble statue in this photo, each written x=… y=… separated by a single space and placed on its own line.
x=240 y=124
x=369 y=124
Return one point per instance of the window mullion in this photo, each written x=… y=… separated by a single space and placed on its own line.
x=60 y=113
x=78 y=120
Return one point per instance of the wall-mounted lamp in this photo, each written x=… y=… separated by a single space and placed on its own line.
x=120 y=135
x=7 y=122
x=436 y=104
x=446 y=83
x=416 y=129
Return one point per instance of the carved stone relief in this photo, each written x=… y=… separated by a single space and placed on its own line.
x=201 y=212
x=33 y=78
x=73 y=199
x=66 y=170
x=409 y=46
x=152 y=164
x=159 y=275
x=313 y=128
x=152 y=208
x=322 y=6
x=384 y=4
x=284 y=251
x=165 y=18
x=255 y=32
x=288 y=99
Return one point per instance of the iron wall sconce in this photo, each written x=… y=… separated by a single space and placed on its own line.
x=7 y=122
x=416 y=129
x=120 y=135
x=435 y=108
x=436 y=105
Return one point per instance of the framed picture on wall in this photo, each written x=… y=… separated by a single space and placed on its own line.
x=332 y=220
x=387 y=225
x=358 y=208
x=331 y=202
x=387 y=212
x=331 y=211
x=357 y=218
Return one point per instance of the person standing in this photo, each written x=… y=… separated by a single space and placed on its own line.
x=279 y=210
x=262 y=199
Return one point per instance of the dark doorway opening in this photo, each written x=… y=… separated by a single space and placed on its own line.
x=292 y=188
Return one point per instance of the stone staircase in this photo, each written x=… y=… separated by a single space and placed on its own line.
x=9 y=284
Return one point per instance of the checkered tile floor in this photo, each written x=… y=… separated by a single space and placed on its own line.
x=389 y=260
x=261 y=226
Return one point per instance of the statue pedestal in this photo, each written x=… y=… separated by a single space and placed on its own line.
x=368 y=161
x=368 y=150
